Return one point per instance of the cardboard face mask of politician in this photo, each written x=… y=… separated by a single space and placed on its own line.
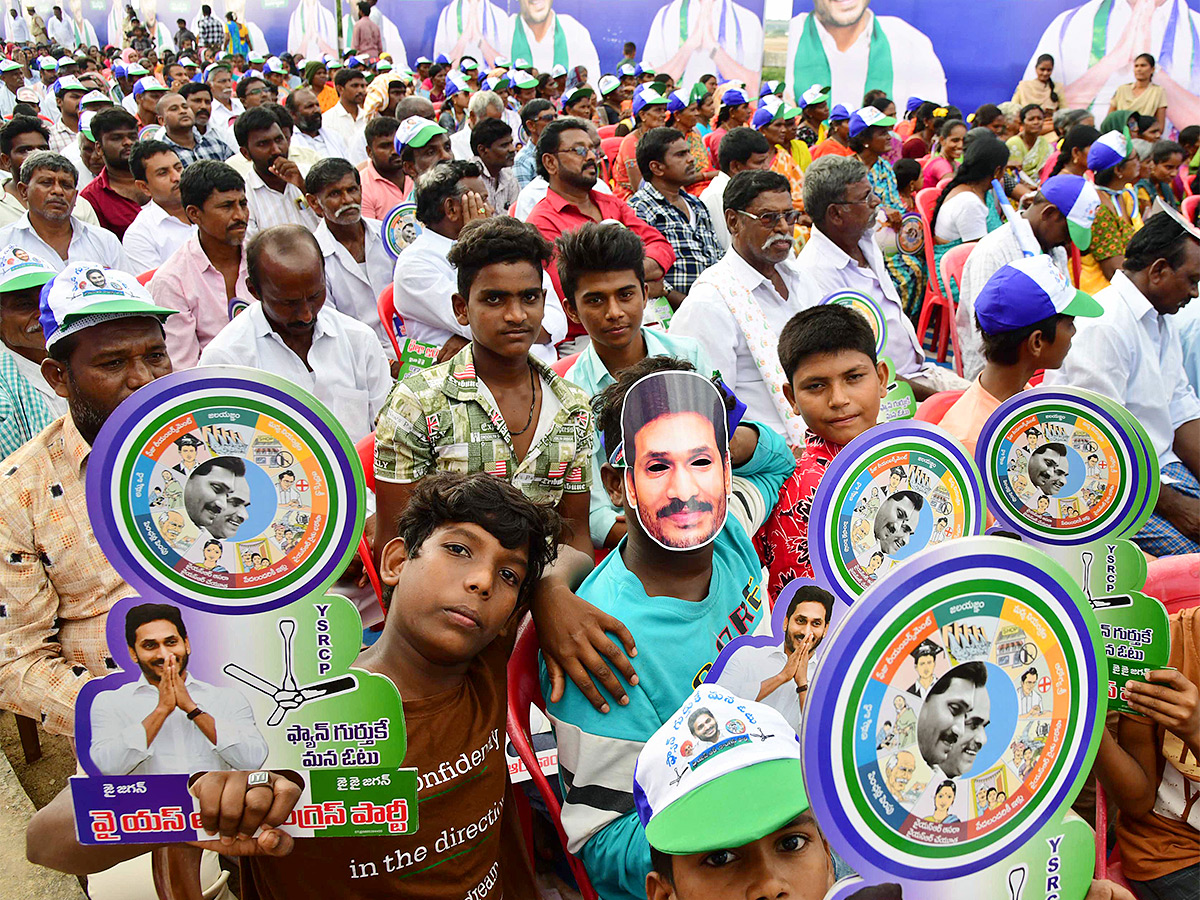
x=676 y=448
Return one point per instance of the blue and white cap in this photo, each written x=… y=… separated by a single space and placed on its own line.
x=1029 y=290
x=68 y=83
x=734 y=96
x=148 y=83
x=559 y=71
x=862 y=119
x=424 y=61
x=87 y=294
x=627 y=70
x=1077 y=199
x=839 y=114
x=456 y=83
x=1108 y=150
x=678 y=100
x=607 y=84
x=722 y=772
x=814 y=95
x=20 y=269
x=274 y=66
x=771 y=87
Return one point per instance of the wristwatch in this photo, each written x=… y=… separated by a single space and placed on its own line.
x=194 y=714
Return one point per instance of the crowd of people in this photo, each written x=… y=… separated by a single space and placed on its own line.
x=576 y=232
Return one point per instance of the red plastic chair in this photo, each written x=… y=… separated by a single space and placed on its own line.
x=1190 y=204
x=935 y=298
x=144 y=278
x=1186 y=178
x=607 y=131
x=952 y=269
x=386 y=304
x=560 y=367
x=366 y=455
x=1108 y=866
x=610 y=146
x=1175 y=581
x=524 y=689
x=933 y=408
x=1075 y=258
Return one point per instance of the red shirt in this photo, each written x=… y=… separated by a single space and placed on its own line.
x=116 y=213
x=782 y=542
x=554 y=216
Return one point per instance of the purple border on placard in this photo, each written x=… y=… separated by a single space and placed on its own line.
x=850 y=456
x=881 y=342
x=175 y=387
x=819 y=716
x=1034 y=397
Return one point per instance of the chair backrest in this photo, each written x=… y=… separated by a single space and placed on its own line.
x=933 y=408
x=926 y=201
x=607 y=131
x=953 y=262
x=1175 y=581
x=144 y=278
x=1076 y=260
x=366 y=455
x=524 y=689
x=1186 y=177
x=1189 y=206
x=561 y=366
x=610 y=146
x=386 y=305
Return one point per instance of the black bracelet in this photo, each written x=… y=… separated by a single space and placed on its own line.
x=802 y=689
x=195 y=714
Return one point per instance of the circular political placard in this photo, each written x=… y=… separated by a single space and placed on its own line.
x=957 y=711
x=400 y=227
x=237 y=306
x=225 y=489
x=869 y=309
x=911 y=236
x=1066 y=467
x=891 y=492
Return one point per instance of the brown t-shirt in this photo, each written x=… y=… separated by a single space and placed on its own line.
x=467 y=845
x=1168 y=838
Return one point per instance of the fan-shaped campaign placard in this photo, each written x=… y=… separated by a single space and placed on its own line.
x=225 y=489
x=868 y=308
x=956 y=713
x=400 y=228
x=891 y=492
x=1067 y=467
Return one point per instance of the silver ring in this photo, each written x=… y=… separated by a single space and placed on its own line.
x=258 y=779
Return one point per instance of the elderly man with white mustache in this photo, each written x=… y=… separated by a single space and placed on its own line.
x=738 y=307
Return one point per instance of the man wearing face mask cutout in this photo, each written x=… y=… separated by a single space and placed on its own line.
x=685 y=576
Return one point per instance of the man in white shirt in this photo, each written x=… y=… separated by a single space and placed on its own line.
x=59 y=30
x=169 y=721
x=274 y=185
x=448 y=197
x=225 y=108
x=1132 y=354
x=357 y=265
x=548 y=38
x=346 y=117
x=48 y=229
x=740 y=149
x=1045 y=226
x=837 y=42
x=842 y=254
x=12 y=79
x=737 y=308
x=691 y=38
x=311 y=133
x=292 y=332
x=483 y=105
x=162 y=226
x=16 y=29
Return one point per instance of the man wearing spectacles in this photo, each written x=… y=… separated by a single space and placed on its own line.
x=570 y=164
x=738 y=307
x=842 y=254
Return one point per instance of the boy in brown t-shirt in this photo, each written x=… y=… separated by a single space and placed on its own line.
x=469 y=550
x=1152 y=770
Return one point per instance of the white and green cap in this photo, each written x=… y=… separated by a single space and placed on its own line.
x=416 y=131
x=20 y=269
x=8 y=65
x=1077 y=199
x=721 y=772
x=87 y=294
x=607 y=84
x=815 y=94
x=522 y=80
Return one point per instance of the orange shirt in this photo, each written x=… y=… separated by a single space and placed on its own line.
x=830 y=147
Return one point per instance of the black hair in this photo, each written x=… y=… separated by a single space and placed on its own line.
x=234 y=464
x=608 y=404
x=974 y=672
x=811 y=593
x=212 y=542
x=738 y=145
x=907 y=171
x=277 y=239
x=598 y=247
x=488 y=132
x=439 y=184
x=498 y=239
x=1027 y=109
x=1189 y=135
x=142 y=151
x=346 y=75
x=979 y=163
x=378 y=127
x=194 y=87
x=533 y=109
x=143 y=613
x=1046 y=57
x=874 y=94
x=243 y=85
x=745 y=186
x=1145 y=122
x=948 y=125
x=112 y=120
x=551 y=138
x=258 y=118
x=986 y=115
x=697 y=713
x=859 y=142
x=1161 y=237
x=1004 y=348
x=1032 y=670
x=17 y=126
x=652 y=147
x=1164 y=150
x=663 y=864
x=947 y=783
x=25 y=110
x=205 y=177
x=1149 y=57
x=830 y=328
x=329 y=171
x=495 y=506
x=1080 y=137
x=435 y=70
x=924 y=112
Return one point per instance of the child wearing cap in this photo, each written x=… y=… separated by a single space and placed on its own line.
x=835 y=383
x=1026 y=317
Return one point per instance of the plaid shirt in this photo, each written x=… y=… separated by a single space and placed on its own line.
x=212 y=32
x=56 y=587
x=208 y=146
x=439 y=419
x=693 y=240
x=23 y=410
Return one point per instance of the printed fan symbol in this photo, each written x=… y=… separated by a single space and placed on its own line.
x=288 y=695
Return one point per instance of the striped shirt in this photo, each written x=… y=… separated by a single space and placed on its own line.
x=23 y=409
x=208 y=146
x=269 y=207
